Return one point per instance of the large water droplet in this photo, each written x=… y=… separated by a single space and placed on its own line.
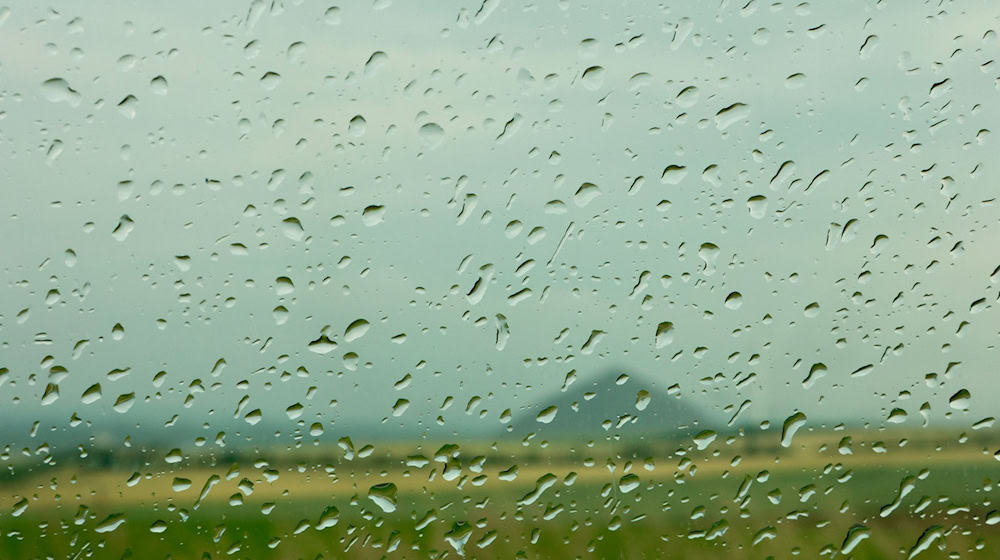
x=791 y=425
x=58 y=90
x=384 y=496
x=431 y=134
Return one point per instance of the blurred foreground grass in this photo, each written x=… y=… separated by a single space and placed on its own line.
x=802 y=502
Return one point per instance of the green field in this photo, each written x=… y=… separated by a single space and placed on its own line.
x=692 y=505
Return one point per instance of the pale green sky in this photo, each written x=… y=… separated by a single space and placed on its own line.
x=844 y=88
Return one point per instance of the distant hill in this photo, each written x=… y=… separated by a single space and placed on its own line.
x=611 y=402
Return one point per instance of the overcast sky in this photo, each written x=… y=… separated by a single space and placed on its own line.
x=490 y=186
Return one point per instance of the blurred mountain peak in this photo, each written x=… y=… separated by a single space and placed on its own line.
x=612 y=400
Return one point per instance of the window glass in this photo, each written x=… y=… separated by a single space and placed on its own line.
x=498 y=279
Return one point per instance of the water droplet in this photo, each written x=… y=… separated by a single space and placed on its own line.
x=960 y=400
x=384 y=496
x=795 y=81
x=253 y=417
x=458 y=536
x=431 y=134
x=757 y=206
x=292 y=229
x=373 y=215
x=51 y=394
x=400 y=407
x=332 y=15
x=158 y=85
x=896 y=416
x=593 y=78
x=356 y=330
x=664 y=334
x=547 y=415
x=704 y=439
x=270 y=80
x=628 y=483
x=127 y=106
x=357 y=126
x=19 y=507
x=327 y=519
x=91 y=394
x=123 y=229
x=708 y=253
x=296 y=51
x=375 y=62
x=322 y=345
x=673 y=174
x=767 y=533
x=791 y=425
x=283 y=286
x=58 y=90
x=687 y=97
x=543 y=483
x=110 y=523
x=731 y=115
x=124 y=402
x=586 y=194
x=642 y=399
x=929 y=536
x=855 y=535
